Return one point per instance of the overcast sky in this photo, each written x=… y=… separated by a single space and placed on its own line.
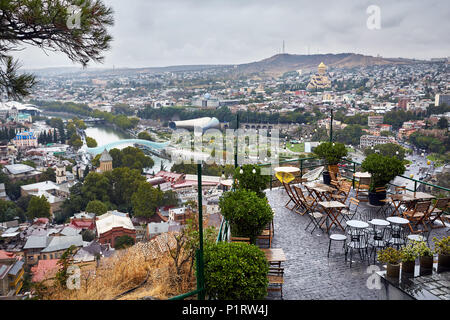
x=150 y=33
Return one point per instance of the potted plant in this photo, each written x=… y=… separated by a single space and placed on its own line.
x=425 y=254
x=392 y=258
x=383 y=170
x=246 y=213
x=408 y=258
x=332 y=153
x=442 y=248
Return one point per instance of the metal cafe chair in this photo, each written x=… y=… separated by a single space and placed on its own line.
x=357 y=241
x=338 y=238
x=377 y=239
x=397 y=236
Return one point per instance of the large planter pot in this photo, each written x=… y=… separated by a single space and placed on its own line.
x=444 y=261
x=426 y=262
x=408 y=266
x=376 y=197
x=326 y=178
x=393 y=270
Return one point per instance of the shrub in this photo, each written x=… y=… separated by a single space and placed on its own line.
x=442 y=246
x=389 y=255
x=247 y=213
x=123 y=242
x=251 y=179
x=332 y=153
x=235 y=271
x=383 y=169
x=422 y=249
x=408 y=254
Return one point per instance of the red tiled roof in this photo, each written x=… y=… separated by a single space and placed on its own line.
x=6 y=255
x=78 y=224
x=44 y=269
x=41 y=221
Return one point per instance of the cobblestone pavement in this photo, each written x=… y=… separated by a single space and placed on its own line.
x=309 y=274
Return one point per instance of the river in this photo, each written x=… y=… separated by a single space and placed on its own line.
x=104 y=135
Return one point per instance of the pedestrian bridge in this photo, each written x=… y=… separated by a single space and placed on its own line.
x=112 y=145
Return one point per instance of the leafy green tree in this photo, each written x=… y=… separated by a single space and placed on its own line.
x=387 y=149
x=146 y=200
x=27 y=23
x=144 y=135
x=96 y=207
x=351 y=134
x=96 y=186
x=91 y=142
x=38 y=207
x=123 y=242
x=48 y=175
x=124 y=182
x=29 y=163
x=442 y=123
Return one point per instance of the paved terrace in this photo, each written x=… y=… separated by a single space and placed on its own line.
x=309 y=274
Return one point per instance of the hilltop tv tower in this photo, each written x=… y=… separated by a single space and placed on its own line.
x=283 y=51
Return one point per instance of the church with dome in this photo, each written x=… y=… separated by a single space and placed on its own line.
x=319 y=80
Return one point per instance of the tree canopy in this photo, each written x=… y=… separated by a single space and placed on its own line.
x=50 y=26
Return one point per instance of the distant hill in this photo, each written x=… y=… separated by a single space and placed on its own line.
x=273 y=66
x=281 y=63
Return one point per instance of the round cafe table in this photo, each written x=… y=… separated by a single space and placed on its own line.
x=357 y=224
x=397 y=237
x=397 y=220
x=286 y=174
x=379 y=222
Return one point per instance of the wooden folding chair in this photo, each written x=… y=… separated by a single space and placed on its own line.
x=292 y=197
x=363 y=189
x=439 y=207
x=240 y=239
x=417 y=216
x=304 y=199
x=276 y=279
x=267 y=234
x=343 y=192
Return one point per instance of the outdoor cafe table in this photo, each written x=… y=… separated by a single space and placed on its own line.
x=274 y=255
x=320 y=189
x=398 y=200
x=362 y=175
x=357 y=224
x=331 y=207
x=286 y=174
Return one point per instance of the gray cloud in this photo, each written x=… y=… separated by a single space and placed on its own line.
x=171 y=32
